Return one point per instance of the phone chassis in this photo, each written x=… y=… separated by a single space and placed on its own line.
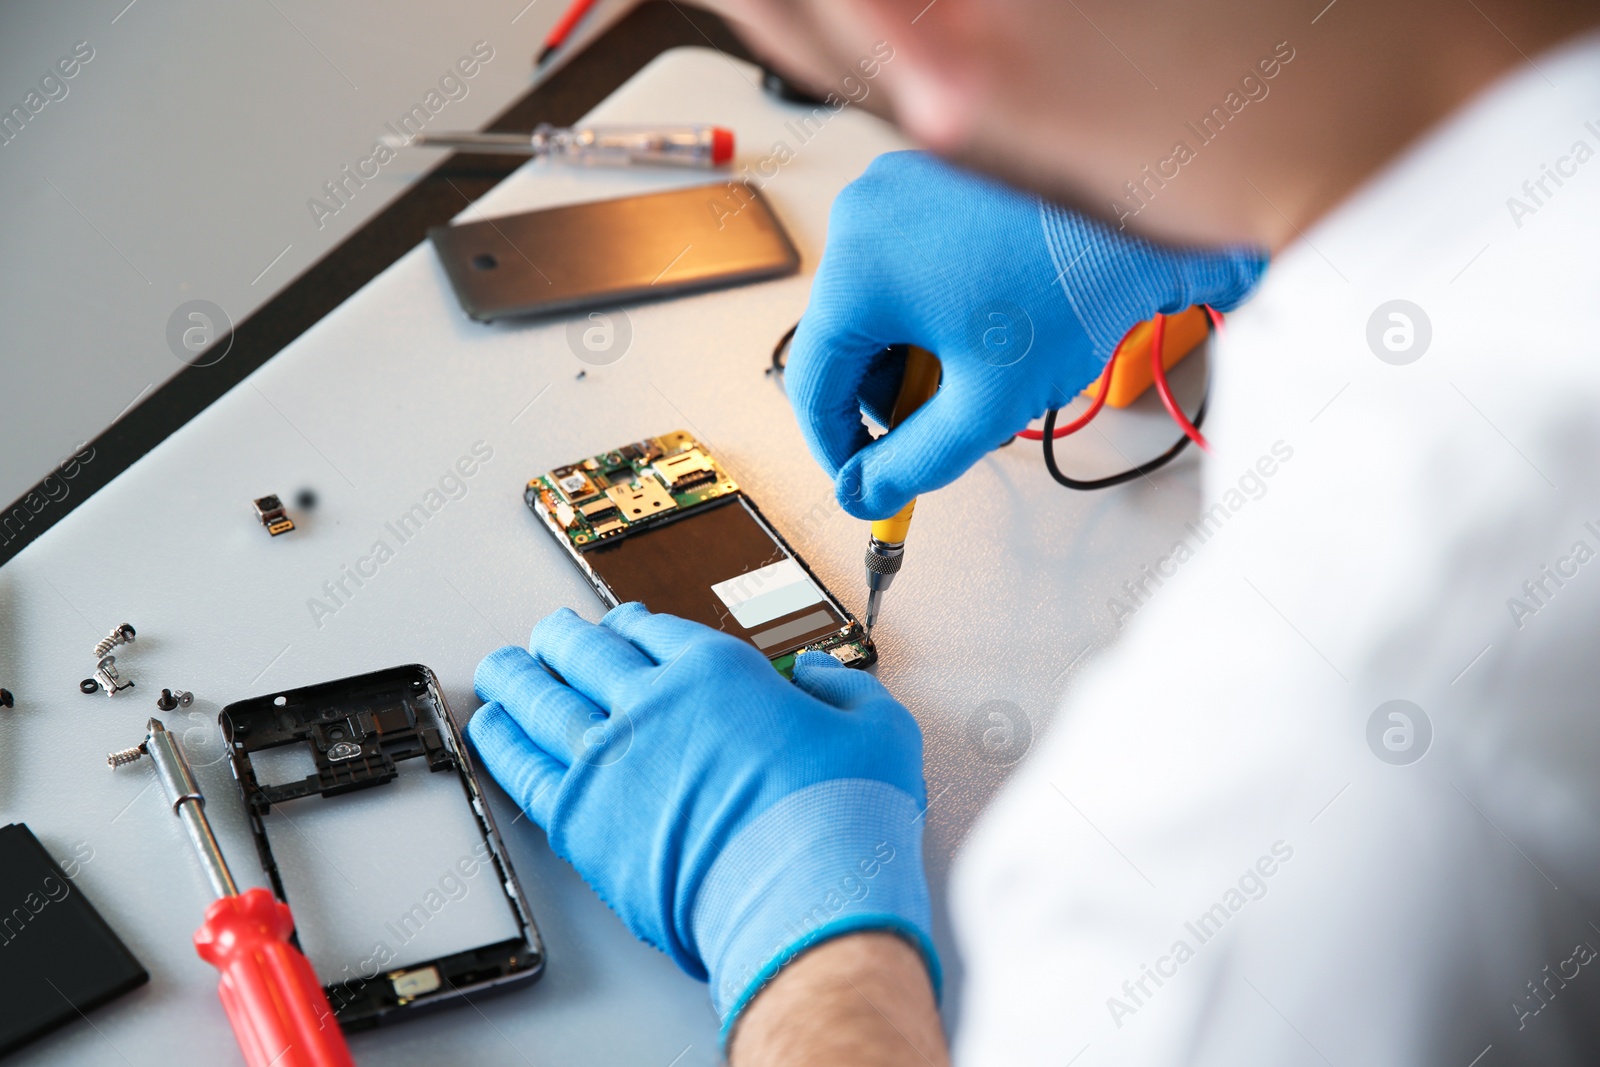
x=357 y=729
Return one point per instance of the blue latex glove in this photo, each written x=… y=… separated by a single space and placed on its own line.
x=730 y=818
x=1022 y=301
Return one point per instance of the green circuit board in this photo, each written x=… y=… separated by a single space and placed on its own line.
x=615 y=492
x=661 y=521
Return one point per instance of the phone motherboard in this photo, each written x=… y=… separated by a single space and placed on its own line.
x=662 y=522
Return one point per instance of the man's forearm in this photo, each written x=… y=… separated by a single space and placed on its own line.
x=865 y=998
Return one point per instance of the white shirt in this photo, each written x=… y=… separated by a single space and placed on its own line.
x=1208 y=807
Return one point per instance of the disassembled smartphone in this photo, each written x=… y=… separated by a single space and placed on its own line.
x=370 y=824
x=661 y=522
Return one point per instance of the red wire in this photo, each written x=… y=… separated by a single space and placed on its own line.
x=1158 y=369
x=1158 y=338
x=1082 y=420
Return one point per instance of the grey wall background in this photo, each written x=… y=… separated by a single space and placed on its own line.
x=177 y=163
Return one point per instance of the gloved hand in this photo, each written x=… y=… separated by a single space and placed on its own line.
x=730 y=818
x=1022 y=301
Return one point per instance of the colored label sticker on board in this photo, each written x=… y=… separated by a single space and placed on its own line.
x=766 y=593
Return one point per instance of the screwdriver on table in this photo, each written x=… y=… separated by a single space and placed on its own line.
x=699 y=145
x=887 y=546
x=275 y=1004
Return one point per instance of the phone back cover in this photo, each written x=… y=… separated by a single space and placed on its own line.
x=612 y=252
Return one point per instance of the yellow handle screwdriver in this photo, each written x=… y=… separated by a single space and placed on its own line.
x=887 y=546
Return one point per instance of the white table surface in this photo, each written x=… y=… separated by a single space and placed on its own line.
x=1003 y=597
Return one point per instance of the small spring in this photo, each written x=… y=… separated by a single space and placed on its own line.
x=122 y=635
x=127 y=755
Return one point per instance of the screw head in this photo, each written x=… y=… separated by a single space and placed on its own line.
x=166 y=701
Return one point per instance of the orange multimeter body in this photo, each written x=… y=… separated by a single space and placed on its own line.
x=1184 y=333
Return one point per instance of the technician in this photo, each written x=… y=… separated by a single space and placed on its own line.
x=1333 y=796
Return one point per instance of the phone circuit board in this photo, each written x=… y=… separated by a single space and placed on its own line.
x=662 y=522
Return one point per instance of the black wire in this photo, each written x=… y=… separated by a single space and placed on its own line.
x=780 y=351
x=1124 y=476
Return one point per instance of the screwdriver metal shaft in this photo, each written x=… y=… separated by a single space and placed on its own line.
x=279 y=1012
x=189 y=805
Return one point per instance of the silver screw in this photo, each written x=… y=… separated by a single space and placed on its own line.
x=122 y=635
x=127 y=755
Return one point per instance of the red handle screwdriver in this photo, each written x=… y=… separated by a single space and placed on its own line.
x=276 y=1005
x=278 y=1010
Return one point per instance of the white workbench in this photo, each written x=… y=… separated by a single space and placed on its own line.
x=1004 y=591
